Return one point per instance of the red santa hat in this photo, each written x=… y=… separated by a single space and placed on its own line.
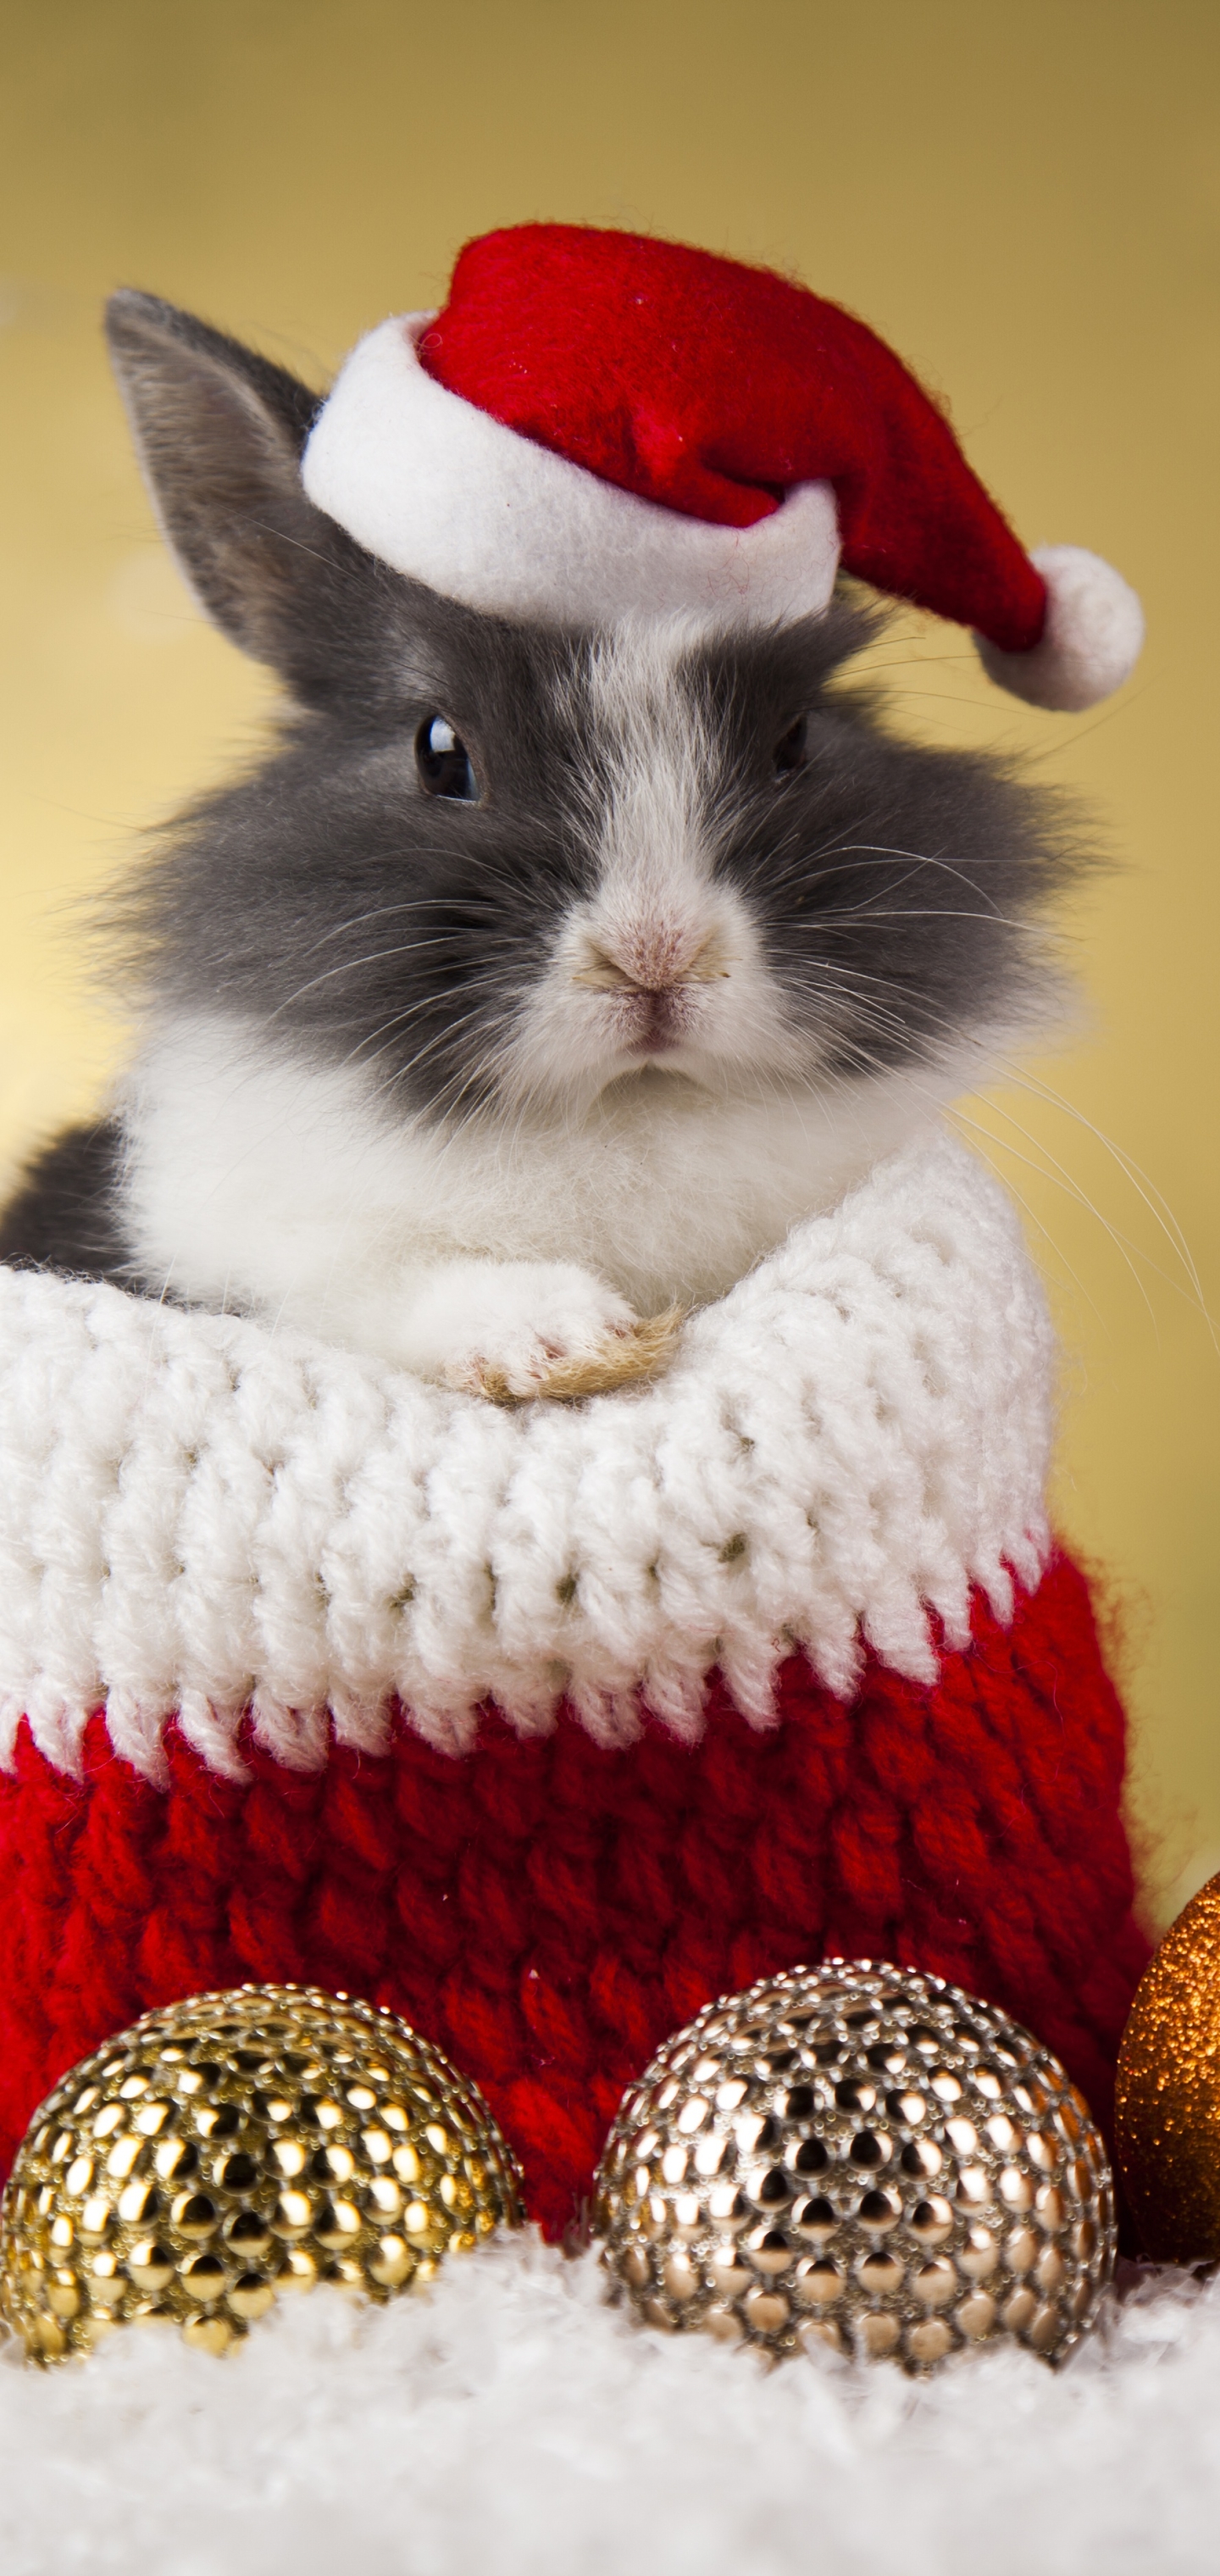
x=600 y=425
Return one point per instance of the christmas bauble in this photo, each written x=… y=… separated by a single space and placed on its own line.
x=1167 y=2100
x=235 y=2146
x=858 y=2156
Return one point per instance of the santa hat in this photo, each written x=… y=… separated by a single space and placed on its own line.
x=600 y=425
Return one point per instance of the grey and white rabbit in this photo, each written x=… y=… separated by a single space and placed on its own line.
x=538 y=978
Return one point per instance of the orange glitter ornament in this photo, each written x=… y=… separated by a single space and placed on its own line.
x=1167 y=2104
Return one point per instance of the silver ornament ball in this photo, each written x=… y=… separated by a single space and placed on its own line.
x=858 y=2156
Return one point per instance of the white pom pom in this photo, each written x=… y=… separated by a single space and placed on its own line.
x=1090 y=643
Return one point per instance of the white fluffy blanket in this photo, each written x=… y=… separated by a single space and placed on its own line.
x=515 y=2425
x=200 y=1514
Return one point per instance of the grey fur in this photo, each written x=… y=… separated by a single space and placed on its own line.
x=326 y=896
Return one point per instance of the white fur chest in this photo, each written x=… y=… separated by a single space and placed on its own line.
x=261 y=1183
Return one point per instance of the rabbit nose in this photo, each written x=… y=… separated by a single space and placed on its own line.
x=654 y=957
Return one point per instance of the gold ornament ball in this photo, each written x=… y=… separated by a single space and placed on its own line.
x=858 y=2156
x=236 y=2146
x=1167 y=2105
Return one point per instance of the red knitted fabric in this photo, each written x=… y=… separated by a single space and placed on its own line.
x=713 y=388
x=549 y=1912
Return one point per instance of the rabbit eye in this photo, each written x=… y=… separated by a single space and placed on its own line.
x=443 y=762
x=789 y=752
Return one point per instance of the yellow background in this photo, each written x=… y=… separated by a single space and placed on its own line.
x=1025 y=200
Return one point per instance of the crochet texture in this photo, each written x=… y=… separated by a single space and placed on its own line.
x=545 y=1728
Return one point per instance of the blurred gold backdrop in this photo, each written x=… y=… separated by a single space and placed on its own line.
x=1025 y=201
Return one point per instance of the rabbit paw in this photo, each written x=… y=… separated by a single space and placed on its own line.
x=517 y=1329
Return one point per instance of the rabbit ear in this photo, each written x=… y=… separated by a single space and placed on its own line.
x=219 y=432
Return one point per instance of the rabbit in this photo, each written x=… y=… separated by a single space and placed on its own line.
x=537 y=979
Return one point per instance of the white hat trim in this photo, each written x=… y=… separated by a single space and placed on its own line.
x=444 y=493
